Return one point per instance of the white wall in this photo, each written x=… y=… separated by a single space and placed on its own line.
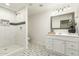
x=7 y=33
x=21 y=34
x=39 y=25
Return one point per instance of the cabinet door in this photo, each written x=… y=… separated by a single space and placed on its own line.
x=50 y=43
x=59 y=46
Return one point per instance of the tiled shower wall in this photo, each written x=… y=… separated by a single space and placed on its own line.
x=12 y=34
x=6 y=38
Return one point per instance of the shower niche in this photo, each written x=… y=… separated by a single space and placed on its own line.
x=4 y=22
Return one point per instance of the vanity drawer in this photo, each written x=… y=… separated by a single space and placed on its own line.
x=72 y=45
x=71 y=52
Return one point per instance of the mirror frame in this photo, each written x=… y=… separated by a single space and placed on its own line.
x=73 y=21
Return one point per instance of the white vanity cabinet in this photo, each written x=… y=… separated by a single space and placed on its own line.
x=72 y=47
x=59 y=46
x=56 y=44
x=66 y=45
x=50 y=43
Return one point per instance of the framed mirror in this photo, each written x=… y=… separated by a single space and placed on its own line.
x=63 y=21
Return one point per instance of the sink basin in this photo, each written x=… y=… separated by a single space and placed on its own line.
x=69 y=34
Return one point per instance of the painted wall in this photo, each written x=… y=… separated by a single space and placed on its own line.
x=39 y=25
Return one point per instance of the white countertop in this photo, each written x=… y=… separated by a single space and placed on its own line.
x=70 y=35
x=65 y=37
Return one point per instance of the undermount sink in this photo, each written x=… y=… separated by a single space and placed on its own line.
x=69 y=34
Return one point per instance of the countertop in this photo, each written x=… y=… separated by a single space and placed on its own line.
x=69 y=35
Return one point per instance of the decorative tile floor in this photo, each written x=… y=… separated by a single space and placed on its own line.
x=35 y=50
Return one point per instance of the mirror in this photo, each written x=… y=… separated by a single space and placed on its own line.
x=63 y=21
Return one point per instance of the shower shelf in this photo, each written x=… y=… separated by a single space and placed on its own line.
x=4 y=22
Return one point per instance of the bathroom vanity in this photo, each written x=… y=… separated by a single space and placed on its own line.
x=64 y=44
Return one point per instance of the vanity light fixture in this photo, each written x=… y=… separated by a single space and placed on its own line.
x=8 y=4
x=62 y=9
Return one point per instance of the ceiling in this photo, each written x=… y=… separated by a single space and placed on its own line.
x=13 y=6
x=34 y=8
x=37 y=8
